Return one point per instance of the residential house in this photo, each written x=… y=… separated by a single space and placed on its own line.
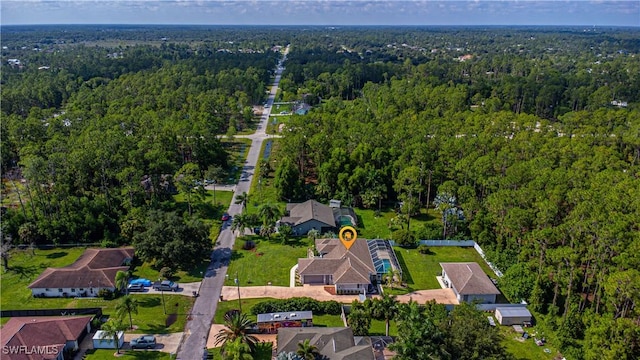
x=350 y=271
x=332 y=343
x=94 y=270
x=270 y=323
x=42 y=338
x=469 y=282
x=308 y=215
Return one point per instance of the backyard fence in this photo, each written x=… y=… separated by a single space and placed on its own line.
x=52 y=312
x=459 y=243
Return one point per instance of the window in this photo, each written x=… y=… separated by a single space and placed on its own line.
x=59 y=290
x=46 y=289
x=81 y=289
x=73 y=290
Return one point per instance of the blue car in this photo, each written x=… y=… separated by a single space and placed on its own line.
x=144 y=282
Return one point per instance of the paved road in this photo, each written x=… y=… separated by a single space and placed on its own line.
x=197 y=330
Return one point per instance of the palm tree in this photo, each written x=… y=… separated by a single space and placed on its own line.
x=237 y=327
x=111 y=329
x=313 y=234
x=236 y=350
x=391 y=278
x=242 y=199
x=122 y=279
x=269 y=213
x=385 y=308
x=307 y=351
x=240 y=223
x=126 y=306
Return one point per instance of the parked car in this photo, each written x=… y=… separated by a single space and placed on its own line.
x=135 y=287
x=166 y=285
x=225 y=217
x=144 y=282
x=143 y=342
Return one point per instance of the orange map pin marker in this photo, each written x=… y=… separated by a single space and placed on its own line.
x=348 y=236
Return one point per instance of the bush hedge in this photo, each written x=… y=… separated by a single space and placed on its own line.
x=298 y=304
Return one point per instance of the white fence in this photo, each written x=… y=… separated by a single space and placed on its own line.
x=460 y=243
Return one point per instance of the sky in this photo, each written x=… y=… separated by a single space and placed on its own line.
x=321 y=12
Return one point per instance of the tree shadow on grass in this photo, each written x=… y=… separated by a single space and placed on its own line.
x=149 y=302
x=25 y=272
x=406 y=275
x=235 y=255
x=57 y=255
x=153 y=329
x=171 y=319
x=361 y=224
x=426 y=217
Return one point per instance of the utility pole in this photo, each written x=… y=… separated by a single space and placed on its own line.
x=238 y=286
x=164 y=307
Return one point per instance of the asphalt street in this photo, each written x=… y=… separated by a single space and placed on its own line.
x=193 y=346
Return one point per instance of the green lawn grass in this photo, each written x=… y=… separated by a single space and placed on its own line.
x=420 y=271
x=371 y=226
x=263 y=352
x=238 y=148
x=107 y=354
x=527 y=349
x=24 y=268
x=263 y=191
x=269 y=261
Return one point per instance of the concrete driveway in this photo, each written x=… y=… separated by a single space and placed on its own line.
x=441 y=296
x=164 y=342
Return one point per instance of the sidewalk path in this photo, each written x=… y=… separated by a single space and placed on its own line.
x=441 y=296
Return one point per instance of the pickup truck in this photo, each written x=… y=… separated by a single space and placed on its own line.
x=165 y=285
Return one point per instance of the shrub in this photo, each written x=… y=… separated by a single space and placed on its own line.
x=404 y=238
x=106 y=294
x=297 y=304
x=166 y=272
x=424 y=249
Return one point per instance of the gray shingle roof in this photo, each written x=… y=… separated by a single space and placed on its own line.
x=94 y=268
x=353 y=266
x=469 y=279
x=309 y=210
x=333 y=343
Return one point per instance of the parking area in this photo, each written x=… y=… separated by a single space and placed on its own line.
x=186 y=289
x=164 y=342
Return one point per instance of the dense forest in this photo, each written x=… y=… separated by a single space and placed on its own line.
x=526 y=140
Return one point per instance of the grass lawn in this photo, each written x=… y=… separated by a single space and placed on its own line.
x=24 y=268
x=372 y=227
x=420 y=271
x=107 y=354
x=263 y=352
x=264 y=191
x=269 y=261
x=527 y=349
x=238 y=150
